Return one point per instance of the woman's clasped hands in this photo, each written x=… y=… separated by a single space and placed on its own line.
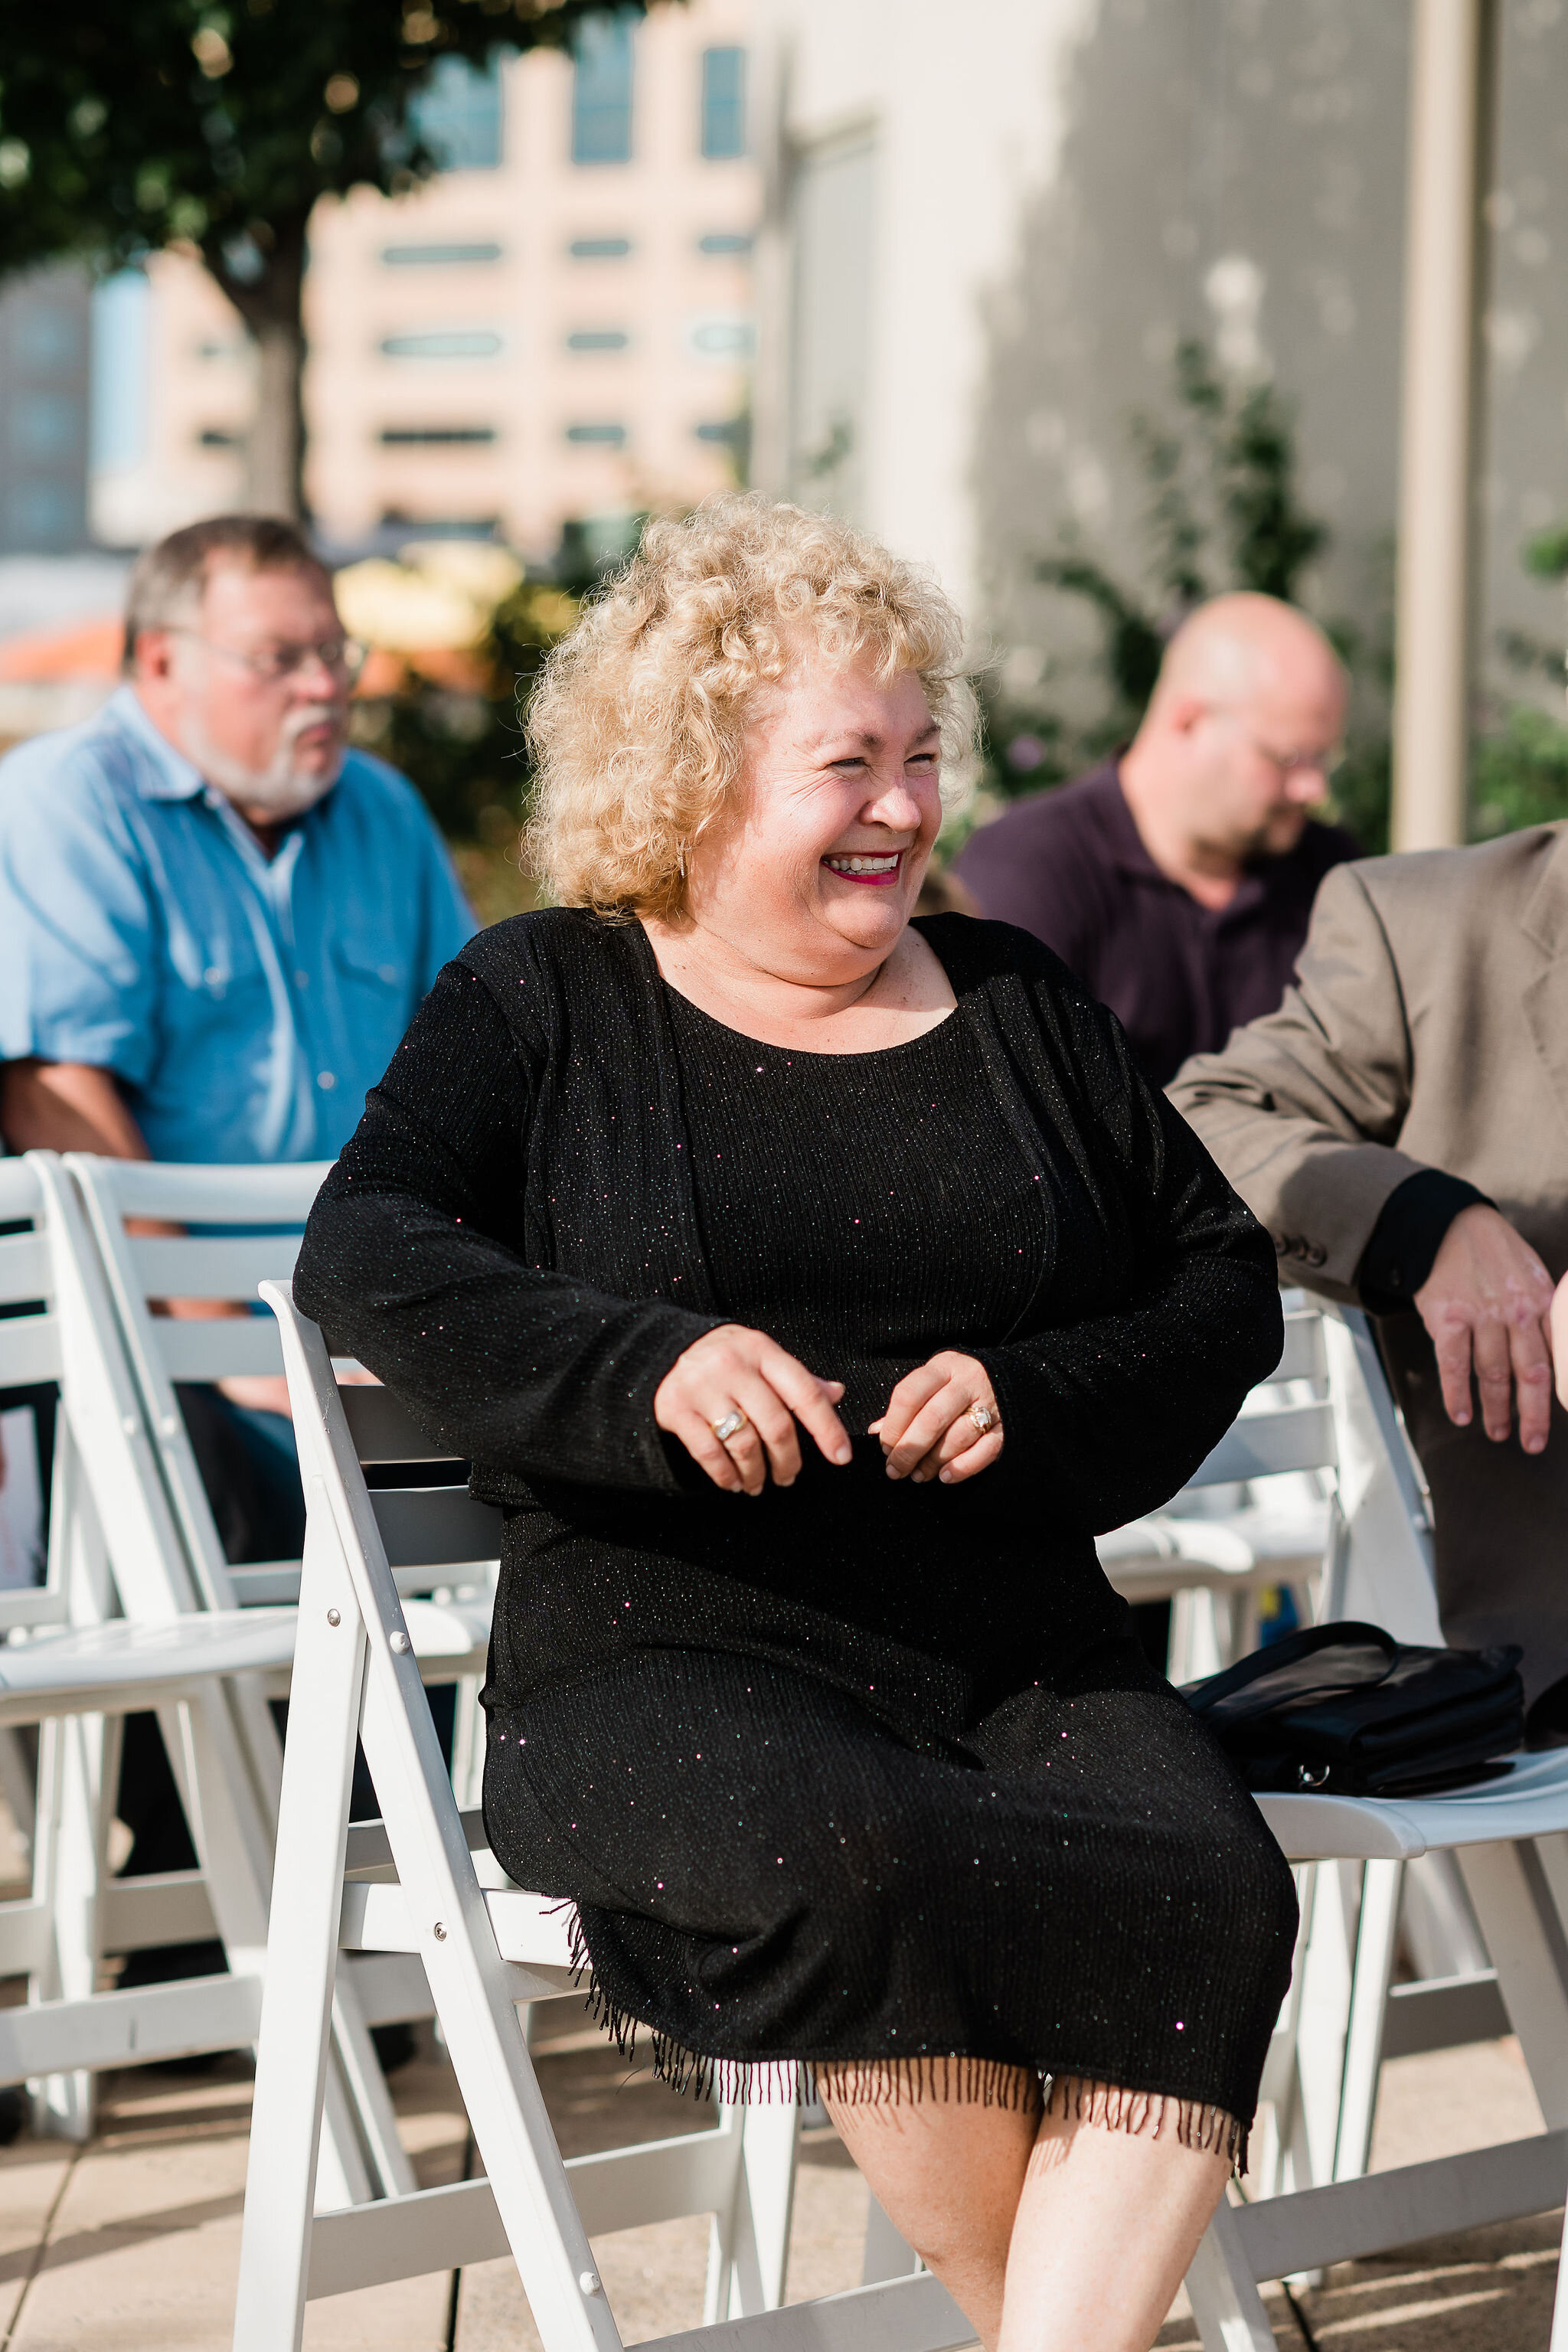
x=738 y=1401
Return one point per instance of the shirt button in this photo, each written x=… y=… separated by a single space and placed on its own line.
x=388 y=972
x=326 y=1081
x=302 y=980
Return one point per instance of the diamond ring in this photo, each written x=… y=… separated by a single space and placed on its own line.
x=730 y=1426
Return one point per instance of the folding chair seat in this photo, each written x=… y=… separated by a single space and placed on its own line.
x=420 y=1880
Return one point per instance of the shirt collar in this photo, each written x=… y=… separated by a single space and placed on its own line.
x=162 y=773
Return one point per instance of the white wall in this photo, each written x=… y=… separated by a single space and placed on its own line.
x=968 y=113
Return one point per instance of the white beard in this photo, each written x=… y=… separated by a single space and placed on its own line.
x=278 y=791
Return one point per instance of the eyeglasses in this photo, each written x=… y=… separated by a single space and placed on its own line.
x=339 y=657
x=1295 y=763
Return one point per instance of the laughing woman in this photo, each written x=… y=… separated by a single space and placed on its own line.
x=722 y=1182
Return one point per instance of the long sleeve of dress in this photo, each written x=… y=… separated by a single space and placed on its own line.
x=412 y=1260
x=1110 y=1413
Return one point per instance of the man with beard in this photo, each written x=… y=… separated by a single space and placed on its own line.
x=215 y=919
x=215 y=923
x=1176 y=880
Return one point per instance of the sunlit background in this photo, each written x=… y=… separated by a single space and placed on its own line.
x=1094 y=305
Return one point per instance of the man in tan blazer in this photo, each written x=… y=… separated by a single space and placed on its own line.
x=1401 y=1128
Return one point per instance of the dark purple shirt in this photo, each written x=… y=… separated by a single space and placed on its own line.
x=1070 y=867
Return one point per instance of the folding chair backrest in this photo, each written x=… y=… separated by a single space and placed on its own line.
x=1278 y=1429
x=30 y=1349
x=241 y=1227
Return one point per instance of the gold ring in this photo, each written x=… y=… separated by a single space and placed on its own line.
x=730 y=1426
x=983 y=1417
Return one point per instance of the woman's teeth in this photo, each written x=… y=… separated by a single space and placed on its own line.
x=888 y=863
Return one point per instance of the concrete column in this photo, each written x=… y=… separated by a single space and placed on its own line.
x=1431 y=714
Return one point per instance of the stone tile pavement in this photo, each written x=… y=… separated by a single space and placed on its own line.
x=131 y=2243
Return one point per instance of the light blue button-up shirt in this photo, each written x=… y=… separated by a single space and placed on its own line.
x=246 y=1004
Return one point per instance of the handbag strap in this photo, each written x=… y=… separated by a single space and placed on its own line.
x=1286 y=1652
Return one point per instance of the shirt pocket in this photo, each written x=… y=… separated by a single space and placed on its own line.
x=373 y=989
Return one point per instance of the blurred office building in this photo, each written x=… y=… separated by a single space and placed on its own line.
x=555 y=333
x=43 y=401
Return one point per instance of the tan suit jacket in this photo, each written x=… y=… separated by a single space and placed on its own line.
x=1427 y=1028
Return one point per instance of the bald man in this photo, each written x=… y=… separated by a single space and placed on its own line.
x=1177 y=878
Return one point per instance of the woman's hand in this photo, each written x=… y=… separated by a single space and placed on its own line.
x=942 y=1422
x=732 y=1372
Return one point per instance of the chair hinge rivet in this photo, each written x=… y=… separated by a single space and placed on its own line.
x=169 y=1425
x=439 y=1932
x=400 y=1642
x=129 y=1423
x=589 y=2282
x=334 y=1617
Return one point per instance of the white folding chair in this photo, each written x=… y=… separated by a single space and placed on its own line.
x=1510 y=1839
x=241 y=1226
x=110 y=1541
x=1260 y=1511
x=421 y=1881
x=117 y=1545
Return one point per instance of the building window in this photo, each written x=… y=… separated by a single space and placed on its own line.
x=436 y=436
x=217 y=436
x=723 y=104
x=724 y=241
x=602 y=87
x=599 y=248
x=721 y=335
x=423 y=257
x=606 y=436
x=458 y=114
x=730 y=433
x=444 y=343
x=597 y=339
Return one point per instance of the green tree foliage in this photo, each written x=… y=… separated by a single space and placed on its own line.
x=217 y=127
x=1220 y=511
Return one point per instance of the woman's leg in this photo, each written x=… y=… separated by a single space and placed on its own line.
x=1105 y=2230
x=1052 y=2233
x=948 y=2173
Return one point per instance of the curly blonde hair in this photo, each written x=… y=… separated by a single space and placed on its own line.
x=637 y=722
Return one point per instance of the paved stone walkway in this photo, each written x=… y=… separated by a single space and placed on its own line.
x=130 y=2244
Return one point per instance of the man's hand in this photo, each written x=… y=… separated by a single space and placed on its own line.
x=1486 y=1304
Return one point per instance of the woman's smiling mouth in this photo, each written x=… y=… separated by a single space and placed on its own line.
x=874 y=866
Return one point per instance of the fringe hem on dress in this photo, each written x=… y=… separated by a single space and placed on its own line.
x=1211 y=2130
x=894 y=2082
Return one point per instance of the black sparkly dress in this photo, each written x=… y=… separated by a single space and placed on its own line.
x=858 y=1770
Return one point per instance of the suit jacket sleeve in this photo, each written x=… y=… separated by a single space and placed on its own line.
x=1303 y=1108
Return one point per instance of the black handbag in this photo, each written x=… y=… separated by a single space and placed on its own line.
x=1349 y=1711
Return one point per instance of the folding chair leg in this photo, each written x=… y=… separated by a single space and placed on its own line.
x=292 y=2067
x=1375 y=1935
x=747 y=2273
x=476 y=2004
x=1512 y=1889
x=1223 y=2294
x=72 y=1864
x=19 y=1787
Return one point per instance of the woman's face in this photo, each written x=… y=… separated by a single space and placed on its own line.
x=814 y=874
